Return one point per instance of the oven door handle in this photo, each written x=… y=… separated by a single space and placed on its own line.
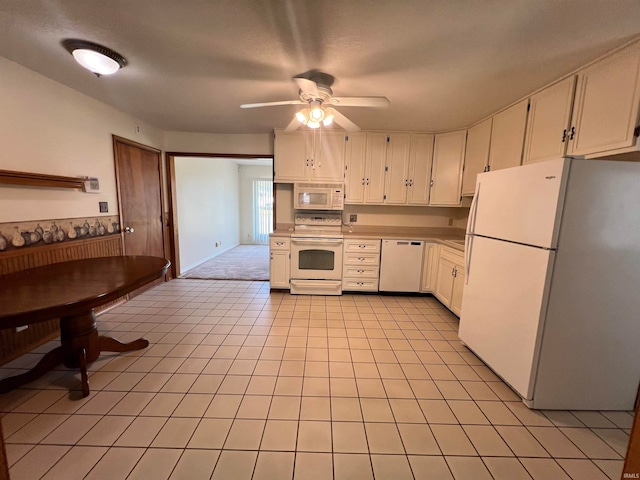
x=317 y=241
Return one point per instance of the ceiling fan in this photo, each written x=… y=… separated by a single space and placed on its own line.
x=315 y=92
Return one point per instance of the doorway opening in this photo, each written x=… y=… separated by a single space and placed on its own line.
x=221 y=213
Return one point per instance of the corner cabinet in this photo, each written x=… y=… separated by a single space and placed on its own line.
x=476 y=157
x=309 y=156
x=450 y=279
x=446 y=173
x=279 y=262
x=605 y=112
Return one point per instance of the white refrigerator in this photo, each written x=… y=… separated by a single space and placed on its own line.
x=552 y=295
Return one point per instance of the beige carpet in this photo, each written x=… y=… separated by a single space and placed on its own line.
x=244 y=262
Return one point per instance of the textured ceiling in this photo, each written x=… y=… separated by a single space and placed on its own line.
x=443 y=64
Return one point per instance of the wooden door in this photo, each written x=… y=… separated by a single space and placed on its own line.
x=140 y=196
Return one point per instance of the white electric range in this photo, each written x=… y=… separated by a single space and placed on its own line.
x=316 y=254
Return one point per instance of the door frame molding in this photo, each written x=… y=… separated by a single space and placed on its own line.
x=173 y=240
x=115 y=140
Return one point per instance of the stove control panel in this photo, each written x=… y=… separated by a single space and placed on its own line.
x=321 y=219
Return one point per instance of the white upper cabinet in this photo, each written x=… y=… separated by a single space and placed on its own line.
x=397 y=168
x=290 y=157
x=389 y=169
x=548 y=123
x=476 y=157
x=309 y=156
x=420 y=159
x=375 y=161
x=446 y=173
x=605 y=112
x=354 y=163
x=507 y=136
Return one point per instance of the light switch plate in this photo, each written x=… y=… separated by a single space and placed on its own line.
x=104 y=207
x=353 y=217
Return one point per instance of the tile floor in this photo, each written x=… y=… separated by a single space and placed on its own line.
x=240 y=383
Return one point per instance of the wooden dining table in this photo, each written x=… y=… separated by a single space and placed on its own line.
x=71 y=291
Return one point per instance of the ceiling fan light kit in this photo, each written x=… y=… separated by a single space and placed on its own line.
x=94 y=57
x=315 y=92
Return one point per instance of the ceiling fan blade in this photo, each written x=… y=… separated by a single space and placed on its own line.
x=307 y=86
x=344 y=122
x=271 y=104
x=378 y=102
x=293 y=125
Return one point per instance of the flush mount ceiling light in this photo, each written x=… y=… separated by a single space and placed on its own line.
x=94 y=57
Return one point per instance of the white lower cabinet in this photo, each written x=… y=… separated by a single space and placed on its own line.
x=429 y=267
x=279 y=262
x=450 y=279
x=361 y=265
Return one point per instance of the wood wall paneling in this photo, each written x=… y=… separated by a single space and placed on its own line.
x=12 y=343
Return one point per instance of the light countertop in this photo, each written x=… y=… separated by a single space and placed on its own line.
x=449 y=236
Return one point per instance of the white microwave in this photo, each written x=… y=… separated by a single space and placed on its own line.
x=318 y=196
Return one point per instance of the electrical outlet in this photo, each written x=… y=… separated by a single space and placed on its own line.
x=353 y=217
x=104 y=207
x=450 y=221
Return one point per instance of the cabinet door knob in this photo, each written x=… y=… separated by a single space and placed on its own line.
x=431 y=183
x=128 y=230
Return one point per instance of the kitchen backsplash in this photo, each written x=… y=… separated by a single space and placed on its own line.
x=19 y=235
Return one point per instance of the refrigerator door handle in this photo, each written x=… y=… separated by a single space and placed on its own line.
x=471 y=221
x=467 y=258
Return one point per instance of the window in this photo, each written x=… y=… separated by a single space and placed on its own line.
x=262 y=210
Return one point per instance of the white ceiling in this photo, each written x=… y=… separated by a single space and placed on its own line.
x=443 y=64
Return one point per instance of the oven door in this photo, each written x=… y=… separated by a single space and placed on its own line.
x=315 y=258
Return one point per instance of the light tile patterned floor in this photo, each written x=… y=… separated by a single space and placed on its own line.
x=240 y=383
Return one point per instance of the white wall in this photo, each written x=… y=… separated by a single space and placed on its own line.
x=247 y=174
x=207 y=199
x=46 y=127
x=218 y=143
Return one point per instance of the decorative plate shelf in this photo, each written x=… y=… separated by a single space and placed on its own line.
x=39 y=180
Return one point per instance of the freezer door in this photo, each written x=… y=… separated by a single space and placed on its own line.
x=503 y=308
x=521 y=204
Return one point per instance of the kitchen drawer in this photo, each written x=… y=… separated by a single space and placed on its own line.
x=360 y=271
x=362 y=259
x=454 y=256
x=360 y=284
x=279 y=243
x=361 y=245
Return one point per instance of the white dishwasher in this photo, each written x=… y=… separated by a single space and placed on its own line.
x=401 y=265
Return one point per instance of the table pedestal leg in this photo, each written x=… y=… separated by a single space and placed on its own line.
x=80 y=345
x=48 y=362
